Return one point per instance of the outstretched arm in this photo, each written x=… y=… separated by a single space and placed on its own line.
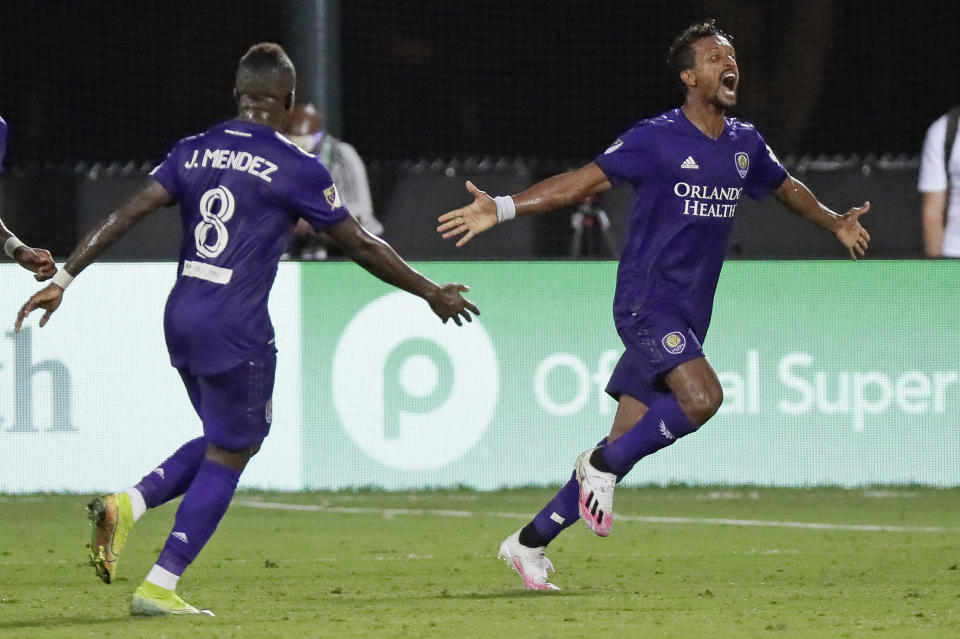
x=33 y=259
x=798 y=198
x=102 y=237
x=555 y=192
x=116 y=225
x=381 y=260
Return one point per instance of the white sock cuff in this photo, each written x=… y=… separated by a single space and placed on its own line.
x=162 y=577
x=137 y=503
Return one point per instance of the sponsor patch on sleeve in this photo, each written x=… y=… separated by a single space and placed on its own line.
x=333 y=196
x=613 y=147
x=773 y=156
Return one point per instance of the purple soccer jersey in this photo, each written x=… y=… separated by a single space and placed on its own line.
x=241 y=188
x=687 y=188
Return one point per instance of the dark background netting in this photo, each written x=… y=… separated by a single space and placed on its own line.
x=97 y=91
x=101 y=80
x=118 y=81
x=560 y=79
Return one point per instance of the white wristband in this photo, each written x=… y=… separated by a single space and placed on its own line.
x=506 y=208
x=62 y=279
x=11 y=245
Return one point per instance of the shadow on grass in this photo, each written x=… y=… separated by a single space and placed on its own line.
x=53 y=622
x=78 y=620
x=465 y=596
x=523 y=594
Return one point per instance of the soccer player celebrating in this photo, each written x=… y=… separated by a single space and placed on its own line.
x=33 y=259
x=689 y=168
x=241 y=188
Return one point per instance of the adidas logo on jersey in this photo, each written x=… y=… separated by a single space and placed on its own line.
x=689 y=163
x=158 y=471
x=181 y=536
x=666 y=431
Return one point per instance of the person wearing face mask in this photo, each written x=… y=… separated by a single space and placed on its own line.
x=305 y=129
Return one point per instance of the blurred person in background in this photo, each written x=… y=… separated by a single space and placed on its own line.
x=592 y=234
x=305 y=129
x=939 y=185
x=33 y=259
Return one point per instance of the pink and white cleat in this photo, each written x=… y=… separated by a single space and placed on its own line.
x=531 y=563
x=596 y=495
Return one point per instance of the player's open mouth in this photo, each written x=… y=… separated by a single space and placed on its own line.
x=728 y=83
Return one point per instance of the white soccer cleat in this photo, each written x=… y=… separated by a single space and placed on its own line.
x=531 y=563
x=596 y=495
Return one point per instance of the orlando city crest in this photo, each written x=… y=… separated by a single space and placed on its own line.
x=333 y=198
x=673 y=342
x=743 y=163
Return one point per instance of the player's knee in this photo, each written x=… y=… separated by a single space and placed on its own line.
x=251 y=451
x=236 y=459
x=702 y=403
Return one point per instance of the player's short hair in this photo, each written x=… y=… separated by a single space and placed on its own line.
x=265 y=69
x=681 y=56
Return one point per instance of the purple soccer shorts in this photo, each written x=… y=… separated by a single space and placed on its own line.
x=656 y=344
x=235 y=405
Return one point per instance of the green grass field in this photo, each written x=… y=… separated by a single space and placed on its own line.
x=373 y=564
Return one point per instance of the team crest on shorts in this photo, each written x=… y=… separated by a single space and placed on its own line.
x=743 y=163
x=333 y=198
x=674 y=342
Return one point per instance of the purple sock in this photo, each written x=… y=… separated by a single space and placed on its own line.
x=560 y=513
x=172 y=478
x=201 y=510
x=663 y=424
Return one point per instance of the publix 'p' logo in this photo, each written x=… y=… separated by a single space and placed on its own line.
x=411 y=392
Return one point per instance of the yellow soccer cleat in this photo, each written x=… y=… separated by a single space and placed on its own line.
x=111 y=517
x=151 y=600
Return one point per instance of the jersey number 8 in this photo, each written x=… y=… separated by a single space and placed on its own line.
x=216 y=208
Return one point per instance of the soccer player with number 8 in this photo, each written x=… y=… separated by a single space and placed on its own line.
x=241 y=187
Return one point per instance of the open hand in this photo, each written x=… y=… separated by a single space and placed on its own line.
x=48 y=299
x=851 y=234
x=472 y=219
x=447 y=302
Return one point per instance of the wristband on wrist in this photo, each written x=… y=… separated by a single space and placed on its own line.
x=11 y=245
x=506 y=208
x=62 y=279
